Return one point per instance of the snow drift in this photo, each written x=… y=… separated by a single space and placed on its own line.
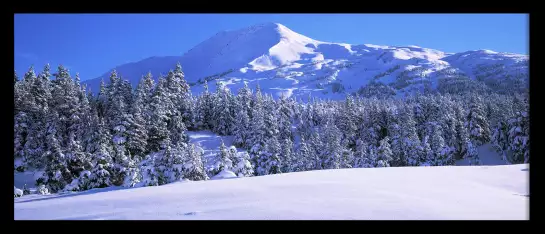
x=405 y=193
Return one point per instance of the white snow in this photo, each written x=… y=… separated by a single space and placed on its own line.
x=28 y=177
x=225 y=174
x=487 y=156
x=406 y=193
x=268 y=53
x=17 y=192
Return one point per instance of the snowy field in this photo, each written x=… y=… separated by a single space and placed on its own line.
x=409 y=193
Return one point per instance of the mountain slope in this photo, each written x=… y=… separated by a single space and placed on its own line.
x=437 y=193
x=284 y=62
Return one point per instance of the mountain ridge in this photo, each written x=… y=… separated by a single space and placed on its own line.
x=285 y=62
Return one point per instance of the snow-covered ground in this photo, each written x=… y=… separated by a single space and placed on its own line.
x=457 y=192
x=487 y=155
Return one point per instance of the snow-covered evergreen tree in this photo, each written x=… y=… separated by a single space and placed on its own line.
x=270 y=161
x=223 y=110
x=347 y=121
x=361 y=156
x=99 y=177
x=287 y=156
x=170 y=165
x=426 y=153
x=158 y=133
x=178 y=130
x=243 y=168
x=57 y=175
x=194 y=166
x=284 y=119
x=304 y=157
x=223 y=160
x=441 y=152
x=384 y=153
x=519 y=137
x=331 y=157
x=241 y=128
x=257 y=123
x=477 y=124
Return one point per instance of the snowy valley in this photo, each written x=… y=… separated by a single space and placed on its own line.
x=250 y=122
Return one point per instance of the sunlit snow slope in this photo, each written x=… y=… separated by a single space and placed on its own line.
x=284 y=62
x=457 y=192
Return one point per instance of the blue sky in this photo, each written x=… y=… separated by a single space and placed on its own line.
x=91 y=44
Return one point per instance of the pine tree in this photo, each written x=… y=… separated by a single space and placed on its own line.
x=241 y=129
x=409 y=139
x=500 y=139
x=270 y=159
x=179 y=93
x=243 y=168
x=384 y=154
x=284 y=119
x=223 y=160
x=150 y=175
x=317 y=149
x=137 y=135
x=170 y=165
x=206 y=108
x=346 y=121
x=100 y=177
x=178 y=130
x=441 y=152
x=519 y=137
x=426 y=153
x=158 y=133
x=224 y=116
x=462 y=135
x=477 y=124
x=257 y=123
x=21 y=127
x=287 y=156
x=333 y=149
x=65 y=102
x=194 y=167
x=361 y=156
x=57 y=175
x=77 y=159
x=102 y=152
x=304 y=157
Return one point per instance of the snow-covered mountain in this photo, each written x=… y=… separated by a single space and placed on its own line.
x=284 y=62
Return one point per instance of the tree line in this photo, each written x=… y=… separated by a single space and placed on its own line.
x=126 y=136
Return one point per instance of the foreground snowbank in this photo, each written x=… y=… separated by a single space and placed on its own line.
x=457 y=192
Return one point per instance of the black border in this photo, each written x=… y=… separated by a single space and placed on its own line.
x=269 y=7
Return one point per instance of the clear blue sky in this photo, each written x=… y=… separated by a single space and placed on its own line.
x=91 y=44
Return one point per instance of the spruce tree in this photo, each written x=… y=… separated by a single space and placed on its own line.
x=223 y=160
x=519 y=137
x=243 y=168
x=194 y=166
x=284 y=119
x=384 y=153
x=304 y=159
x=158 y=133
x=287 y=156
x=477 y=124
x=333 y=149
